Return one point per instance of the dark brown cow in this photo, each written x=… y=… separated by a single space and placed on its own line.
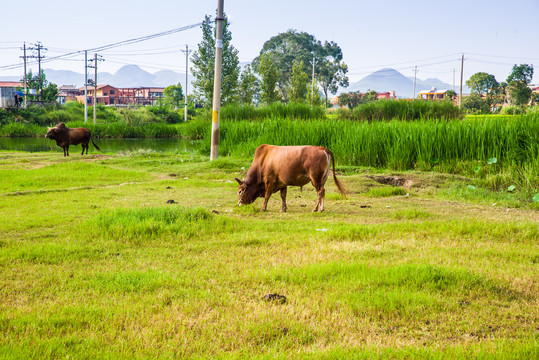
x=65 y=136
x=276 y=167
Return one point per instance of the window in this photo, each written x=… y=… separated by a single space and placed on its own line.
x=112 y=92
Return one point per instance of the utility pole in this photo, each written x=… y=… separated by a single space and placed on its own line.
x=461 y=75
x=39 y=71
x=25 y=81
x=95 y=60
x=415 y=75
x=187 y=52
x=85 y=86
x=217 y=82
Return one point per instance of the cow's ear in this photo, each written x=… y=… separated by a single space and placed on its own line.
x=239 y=181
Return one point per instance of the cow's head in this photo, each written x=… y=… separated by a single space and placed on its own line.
x=51 y=132
x=247 y=193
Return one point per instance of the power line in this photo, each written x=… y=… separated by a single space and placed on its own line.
x=110 y=46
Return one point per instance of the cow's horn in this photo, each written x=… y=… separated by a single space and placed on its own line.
x=239 y=181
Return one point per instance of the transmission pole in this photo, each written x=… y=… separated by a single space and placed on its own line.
x=25 y=81
x=95 y=60
x=217 y=82
x=187 y=52
x=415 y=75
x=85 y=86
x=461 y=75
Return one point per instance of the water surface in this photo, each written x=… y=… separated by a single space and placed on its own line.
x=35 y=144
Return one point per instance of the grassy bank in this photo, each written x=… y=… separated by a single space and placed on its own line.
x=95 y=264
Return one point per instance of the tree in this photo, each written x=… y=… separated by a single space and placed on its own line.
x=249 y=86
x=482 y=83
x=269 y=75
x=298 y=82
x=50 y=90
x=517 y=84
x=313 y=94
x=332 y=70
x=173 y=95
x=300 y=46
x=350 y=100
x=451 y=94
x=204 y=65
x=475 y=103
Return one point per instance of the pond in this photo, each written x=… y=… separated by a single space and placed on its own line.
x=35 y=144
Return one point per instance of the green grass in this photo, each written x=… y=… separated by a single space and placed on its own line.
x=94 y=263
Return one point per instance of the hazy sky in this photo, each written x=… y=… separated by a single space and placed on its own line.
x=493 y=35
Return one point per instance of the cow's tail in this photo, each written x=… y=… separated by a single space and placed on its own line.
x=340 y=186
x=97 y=147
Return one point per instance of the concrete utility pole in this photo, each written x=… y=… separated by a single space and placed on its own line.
x=187 y=52
x=85 y=86
x=461 y=75
x=217 y=82
x=95 y=60
x=415 y=75
x=39 y=57
x=25 y=80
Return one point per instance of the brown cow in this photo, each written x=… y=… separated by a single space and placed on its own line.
x=65 y=136
x=276 y=167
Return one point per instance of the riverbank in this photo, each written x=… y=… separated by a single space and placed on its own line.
x=148 y=256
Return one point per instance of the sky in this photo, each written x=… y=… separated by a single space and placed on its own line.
x=492 y=35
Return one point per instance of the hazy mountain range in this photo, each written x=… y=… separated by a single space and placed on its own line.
x=389 y=79
x=133 y=76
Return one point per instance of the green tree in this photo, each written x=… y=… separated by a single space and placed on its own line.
x=300 y=46
x=269 y=75
x=451 y=94
x=482 y=83
x=249 y=86
x=474 y=103
x=331 y=71
x=313 y=94
x=298 y=82
x=173 y=95
x=204 y=65
x=517 y=84
x=351 y=99
x=50 y=90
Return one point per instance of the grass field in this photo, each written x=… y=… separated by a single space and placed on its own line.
x=94 y=264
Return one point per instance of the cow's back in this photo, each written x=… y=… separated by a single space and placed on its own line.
x=290 y=165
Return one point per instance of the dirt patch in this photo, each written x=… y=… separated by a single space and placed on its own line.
x=393 y=181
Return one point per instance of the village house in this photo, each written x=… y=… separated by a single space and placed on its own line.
x=9 y=95
x=433 y=94
x=110 y=95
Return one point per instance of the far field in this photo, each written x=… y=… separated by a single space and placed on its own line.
x=95 y=264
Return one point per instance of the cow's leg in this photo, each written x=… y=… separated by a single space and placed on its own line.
x=283 y=197
x=82 y=153
x=267 y=195
x=320 y=192
x=66 y=150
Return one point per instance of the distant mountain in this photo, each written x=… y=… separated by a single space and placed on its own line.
x=390 y=79
x=126 y=76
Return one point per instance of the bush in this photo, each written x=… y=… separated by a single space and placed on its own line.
x=385 y=110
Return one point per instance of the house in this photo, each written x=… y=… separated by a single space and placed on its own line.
x=110 y=95
x=105 y=95
x=387 y=95
x=9 y=95
x=68 y=93
x=433 y=94
x=141 y=95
